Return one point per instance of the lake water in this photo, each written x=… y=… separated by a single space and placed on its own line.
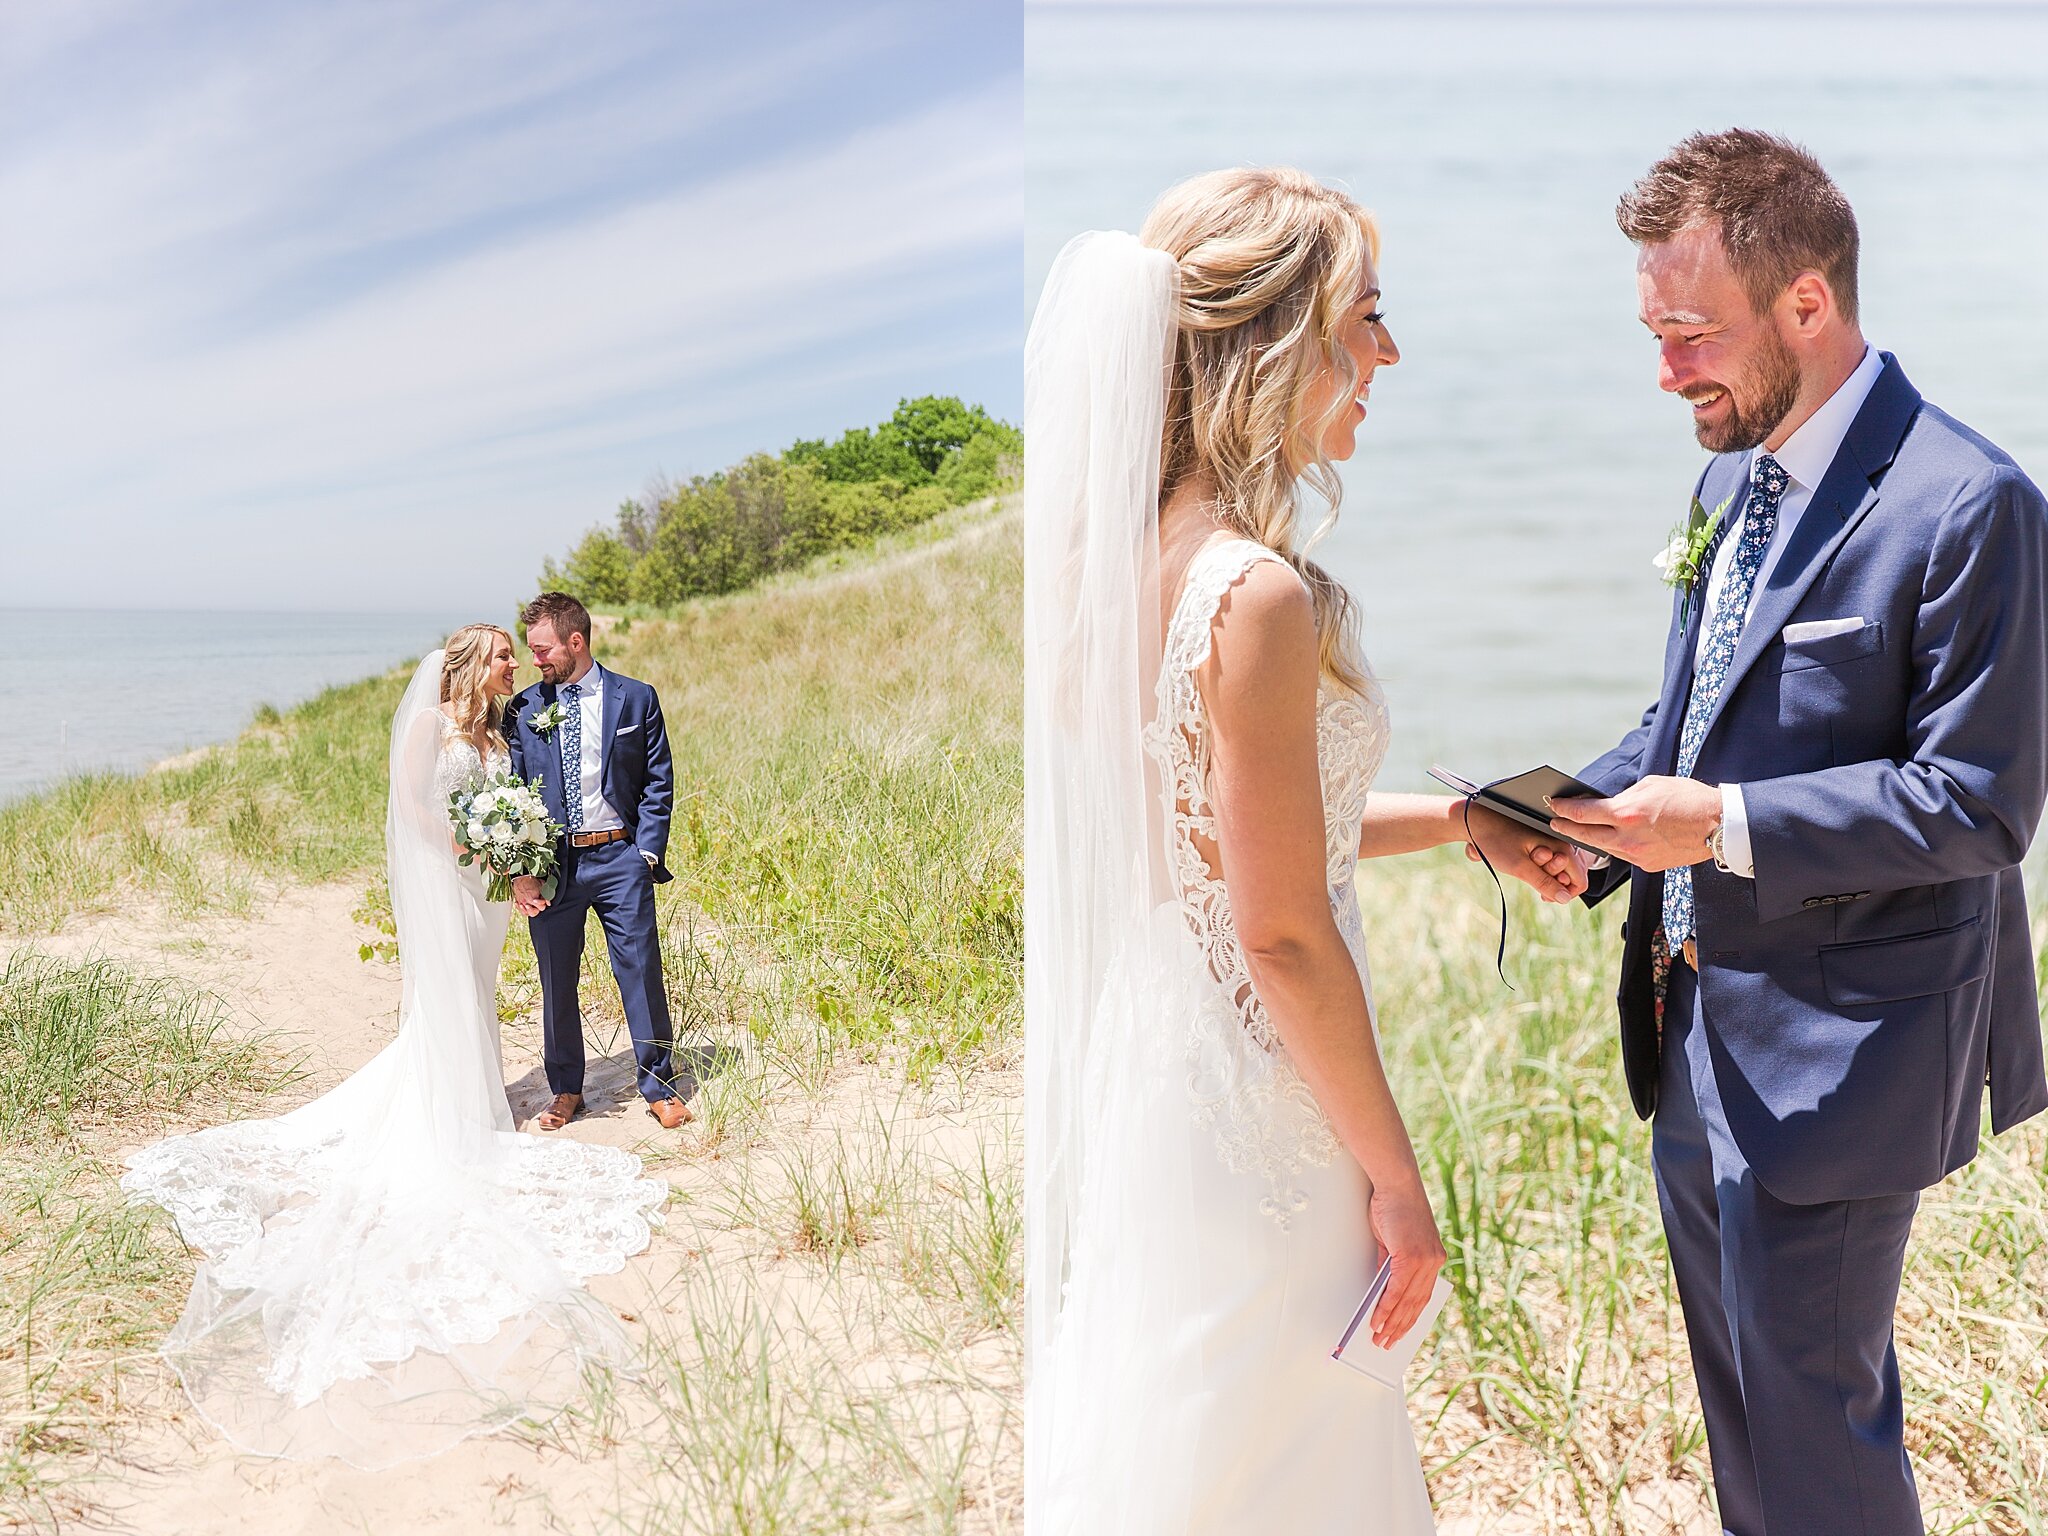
x=122 y=690
x=1520 y=466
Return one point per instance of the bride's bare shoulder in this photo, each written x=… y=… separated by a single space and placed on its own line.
x=1266 y=608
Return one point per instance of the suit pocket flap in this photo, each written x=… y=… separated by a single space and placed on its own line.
x=1919 y=965
x=1831 y=650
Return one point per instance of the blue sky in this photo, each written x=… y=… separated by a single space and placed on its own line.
x=375 y=305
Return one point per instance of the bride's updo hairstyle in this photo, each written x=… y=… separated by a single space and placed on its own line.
x=465 y=670
x=1270 y=260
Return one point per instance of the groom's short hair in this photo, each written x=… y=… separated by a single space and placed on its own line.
x=564 y=615
x=1779 y=212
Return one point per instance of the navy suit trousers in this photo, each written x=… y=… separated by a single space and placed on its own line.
x=613 y=881
x=1788 y=1309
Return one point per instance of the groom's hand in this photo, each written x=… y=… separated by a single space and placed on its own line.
x=1553 y=870
x=1656 y=824
x=526 y=895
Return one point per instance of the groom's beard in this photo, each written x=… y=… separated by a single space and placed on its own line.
x=1775 y=383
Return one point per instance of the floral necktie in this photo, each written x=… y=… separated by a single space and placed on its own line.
x=572 y=756
x=1768 y=481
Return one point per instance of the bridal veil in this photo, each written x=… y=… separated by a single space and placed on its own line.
x=1107 y=980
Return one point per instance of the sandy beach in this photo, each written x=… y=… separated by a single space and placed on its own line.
x=722 y=1266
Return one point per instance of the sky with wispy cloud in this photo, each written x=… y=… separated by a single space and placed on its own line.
x=372 y=306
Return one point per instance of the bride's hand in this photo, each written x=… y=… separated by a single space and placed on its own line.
x=1406 y=1229
x=1553 y=869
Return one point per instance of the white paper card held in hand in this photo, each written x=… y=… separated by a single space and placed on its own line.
x=1387 y=1366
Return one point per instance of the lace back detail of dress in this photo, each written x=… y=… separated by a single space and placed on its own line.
x=1244 y=1085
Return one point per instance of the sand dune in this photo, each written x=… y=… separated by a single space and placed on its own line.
x=839 y=1331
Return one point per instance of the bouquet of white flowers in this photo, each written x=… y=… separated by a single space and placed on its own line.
x=502 y=824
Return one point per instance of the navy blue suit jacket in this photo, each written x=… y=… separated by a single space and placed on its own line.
x=639 y=779
x=1878 y=972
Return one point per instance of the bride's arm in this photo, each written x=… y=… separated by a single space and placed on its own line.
x=1396 y=823
x=1409 y=823
x=1259 y=686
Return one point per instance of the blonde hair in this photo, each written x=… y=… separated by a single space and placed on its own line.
x=1269 y=262
x=465 y=669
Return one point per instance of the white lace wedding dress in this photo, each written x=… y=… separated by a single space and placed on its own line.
x=1222 y=1238
x=392 y=1267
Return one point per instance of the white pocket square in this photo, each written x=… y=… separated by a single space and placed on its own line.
x=625 y=728
x=1820 y=629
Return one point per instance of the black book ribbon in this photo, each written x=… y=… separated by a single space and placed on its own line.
x=1500 y=957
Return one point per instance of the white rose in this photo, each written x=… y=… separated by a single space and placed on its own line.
x=1672 y=556
x=536 y=833
x=476 y=832
x=501 y=834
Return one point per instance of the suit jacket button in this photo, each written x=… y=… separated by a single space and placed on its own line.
x=1812 y=901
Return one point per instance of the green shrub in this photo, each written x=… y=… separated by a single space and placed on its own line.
x=724 y=532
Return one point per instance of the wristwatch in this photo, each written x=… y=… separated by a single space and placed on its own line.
x=1714 y=847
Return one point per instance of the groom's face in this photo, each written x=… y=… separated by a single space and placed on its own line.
x=1732 y=365
x=556 y=659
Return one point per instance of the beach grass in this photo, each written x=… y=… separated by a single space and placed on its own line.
x=90 y=1042
x=1559 y=1395
x=844 y=1357
x=849 y=783
x=844 y=928
x=88 y=1283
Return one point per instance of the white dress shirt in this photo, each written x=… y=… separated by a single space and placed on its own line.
x=1805 y=458
x=598 y=816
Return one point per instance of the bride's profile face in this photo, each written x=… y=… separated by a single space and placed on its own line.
x=1363 y=333
x=502 y=665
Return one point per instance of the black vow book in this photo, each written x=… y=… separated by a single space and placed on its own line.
x=1525 y=798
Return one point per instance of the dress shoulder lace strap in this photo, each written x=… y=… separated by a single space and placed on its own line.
x=1210 y=575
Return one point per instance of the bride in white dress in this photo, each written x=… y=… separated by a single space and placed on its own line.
x=392 y=1267
x=1215 y=1162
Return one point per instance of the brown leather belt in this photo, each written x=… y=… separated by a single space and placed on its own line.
x=597 y=839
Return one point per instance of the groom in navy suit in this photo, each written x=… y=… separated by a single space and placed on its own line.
x=1820 y=821
x=597 y=743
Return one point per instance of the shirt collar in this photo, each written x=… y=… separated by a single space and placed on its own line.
x=592 y=681
x=1809 y=451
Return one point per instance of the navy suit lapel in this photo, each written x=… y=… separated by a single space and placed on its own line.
x=550 y=754
x=1842 y=500
x=614 y=704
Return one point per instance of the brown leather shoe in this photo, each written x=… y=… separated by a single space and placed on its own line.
x=670 y=1112
x=560 y=1111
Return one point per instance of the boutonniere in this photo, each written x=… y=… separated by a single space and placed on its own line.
x=545 y=720
x=1679 y=561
